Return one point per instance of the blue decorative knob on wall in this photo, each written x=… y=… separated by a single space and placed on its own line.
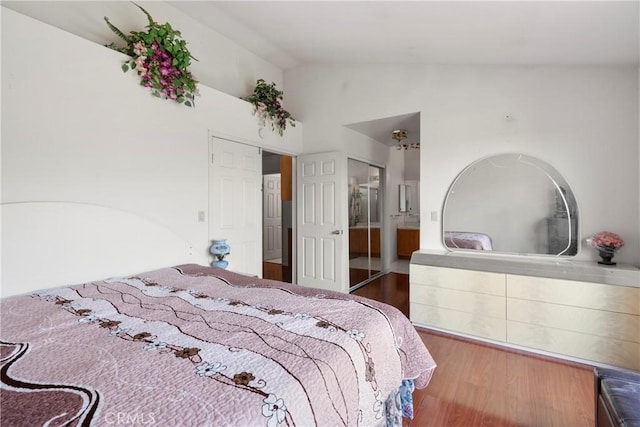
x=219 y=249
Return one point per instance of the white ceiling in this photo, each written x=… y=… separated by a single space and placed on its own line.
x=293 y=33
x=290 y=33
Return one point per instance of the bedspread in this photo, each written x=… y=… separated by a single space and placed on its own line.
x=466 y=240
x=193 y=345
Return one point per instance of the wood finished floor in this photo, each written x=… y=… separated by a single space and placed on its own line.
x=477 y=384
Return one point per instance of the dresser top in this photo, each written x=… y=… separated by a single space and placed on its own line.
x=585 y=271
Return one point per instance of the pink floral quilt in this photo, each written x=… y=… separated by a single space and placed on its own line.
x=201 y=346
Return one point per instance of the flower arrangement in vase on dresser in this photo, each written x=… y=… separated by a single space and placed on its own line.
x=607 y=243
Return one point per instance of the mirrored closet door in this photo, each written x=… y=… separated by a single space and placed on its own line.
x=365 y=225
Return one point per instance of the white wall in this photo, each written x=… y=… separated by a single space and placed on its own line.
x=76 y=128
x=411 y=165
x=222 y=64
x=581 y=120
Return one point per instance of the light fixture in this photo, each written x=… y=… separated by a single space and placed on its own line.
x=399 y=135
x=415 y=145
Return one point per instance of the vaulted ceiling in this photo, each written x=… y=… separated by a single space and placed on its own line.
x=434 y=32
x=293 y=33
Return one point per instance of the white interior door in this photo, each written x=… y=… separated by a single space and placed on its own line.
x=235 y=202
x=272 y=216
x=322 y=215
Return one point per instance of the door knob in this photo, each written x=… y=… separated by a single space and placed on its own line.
x=336 y=232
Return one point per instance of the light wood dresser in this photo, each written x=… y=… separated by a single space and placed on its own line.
x=571 y=309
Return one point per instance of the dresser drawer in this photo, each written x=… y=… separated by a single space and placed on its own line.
x=470 y=302
x=584 y=320
x=619 y=299
x=458 y=321
x=611 y=351
x=463 y=280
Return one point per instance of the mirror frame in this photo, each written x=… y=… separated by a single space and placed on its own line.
x=561 y=186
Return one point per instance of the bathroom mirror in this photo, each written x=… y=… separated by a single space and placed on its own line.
x=511 y=203
x=409 y=198
x=404 y=201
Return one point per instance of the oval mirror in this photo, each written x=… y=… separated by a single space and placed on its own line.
x=511 y=203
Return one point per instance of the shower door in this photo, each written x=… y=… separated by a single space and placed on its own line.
x=365 y=226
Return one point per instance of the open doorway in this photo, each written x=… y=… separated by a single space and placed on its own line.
x=277 y=216
x=402 y=234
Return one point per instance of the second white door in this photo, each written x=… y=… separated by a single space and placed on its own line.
x=321 y=218
x=272 y=207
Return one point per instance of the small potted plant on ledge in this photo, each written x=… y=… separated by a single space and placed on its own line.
x=607 y=244
x=267 y=101
x=161 y=58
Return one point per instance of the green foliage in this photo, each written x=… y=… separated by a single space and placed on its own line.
x=267 y=100
x=161 y=59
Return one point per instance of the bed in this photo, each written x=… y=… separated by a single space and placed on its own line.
x=468 y=240
x=194 y=345
x=95 y=329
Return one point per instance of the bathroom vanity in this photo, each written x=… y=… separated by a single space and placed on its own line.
x=408 y=240
x=572 y=309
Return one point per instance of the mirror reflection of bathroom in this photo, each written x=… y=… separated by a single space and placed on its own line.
x=365 y=209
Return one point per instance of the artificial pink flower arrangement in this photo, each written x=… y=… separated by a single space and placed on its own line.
x=607 y=239
x=161 y=58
